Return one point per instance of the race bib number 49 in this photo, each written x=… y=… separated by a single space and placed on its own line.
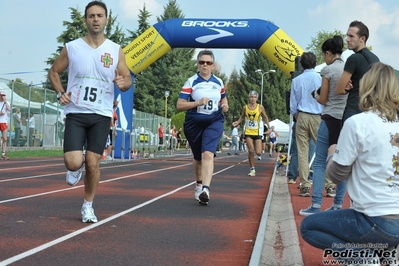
x=210 y=107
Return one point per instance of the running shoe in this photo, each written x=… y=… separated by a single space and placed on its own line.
x=198 y=191
x=4 y=157
x=252 y=172
x=73 y=177
x=259 y=158
x=204 y=197
x=88 y=214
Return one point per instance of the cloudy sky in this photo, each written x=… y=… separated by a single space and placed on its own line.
x=28 y=29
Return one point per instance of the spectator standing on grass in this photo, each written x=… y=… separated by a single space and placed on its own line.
x=160 y=136
x=4 y=110
x=31 y=124
x=172 y=138
x=17 y=126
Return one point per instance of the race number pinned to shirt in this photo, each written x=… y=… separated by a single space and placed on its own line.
x=251 y=124
x=209 y=108
x=89 y=97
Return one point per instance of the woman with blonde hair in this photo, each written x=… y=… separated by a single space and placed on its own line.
x=367 y=157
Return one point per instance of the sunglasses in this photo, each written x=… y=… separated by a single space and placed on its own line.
x=209 y=63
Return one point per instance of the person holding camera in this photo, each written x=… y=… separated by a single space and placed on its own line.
x=330 y=125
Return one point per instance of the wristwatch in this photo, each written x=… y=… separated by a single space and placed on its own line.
x=59 y=95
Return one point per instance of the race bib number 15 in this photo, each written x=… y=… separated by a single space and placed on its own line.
x=90 y=97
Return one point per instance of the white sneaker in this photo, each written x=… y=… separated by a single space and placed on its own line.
x=252 y=172
x=259 y=158
x=204 y=197
x=109 y=158
x=88 y=214
x=73 y=177
x=198 y=191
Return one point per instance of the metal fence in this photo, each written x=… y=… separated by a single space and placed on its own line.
x=46 y=120
x=144 y=137
x=48 y=117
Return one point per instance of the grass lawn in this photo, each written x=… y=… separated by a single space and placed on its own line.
x=35 y=153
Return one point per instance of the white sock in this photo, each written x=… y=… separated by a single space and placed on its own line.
x=87 y=203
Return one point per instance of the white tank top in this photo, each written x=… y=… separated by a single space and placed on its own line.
x=3 y=108
x=90 y=77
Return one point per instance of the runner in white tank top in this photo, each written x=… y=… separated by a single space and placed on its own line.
x=95 y=65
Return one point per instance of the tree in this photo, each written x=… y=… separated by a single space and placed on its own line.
x=144 y=15
x=166 y=74
x=317 y=42
x=275 y=84
x=75 y=29
x=22 y=89
x=236 y=98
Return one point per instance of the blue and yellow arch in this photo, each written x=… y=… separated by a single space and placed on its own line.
x=271 y=41
x=263 y=35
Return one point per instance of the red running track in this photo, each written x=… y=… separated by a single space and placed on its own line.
x=146 y=210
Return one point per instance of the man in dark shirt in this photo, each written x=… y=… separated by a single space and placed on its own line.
x=355 y=67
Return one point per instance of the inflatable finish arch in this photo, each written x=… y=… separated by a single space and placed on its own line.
x=201 y=33
x=212 y=33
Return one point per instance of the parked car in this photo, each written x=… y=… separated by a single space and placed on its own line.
x=226 y=142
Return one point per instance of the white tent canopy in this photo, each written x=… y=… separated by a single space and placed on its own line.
x=17 y=101
x=279 y=125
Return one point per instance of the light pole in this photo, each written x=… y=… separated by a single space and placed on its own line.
x=261 y=86
x=166 y=103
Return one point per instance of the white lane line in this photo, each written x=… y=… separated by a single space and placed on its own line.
x=92 y=226
x=59 y=173
x=105 y=181
x=29 y=167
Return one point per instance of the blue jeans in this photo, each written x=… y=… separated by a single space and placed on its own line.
x=319 y=170
x=234 y=143
x=327 y=229
x=293 y=166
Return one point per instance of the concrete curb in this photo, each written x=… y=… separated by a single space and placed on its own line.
x=281 y=242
